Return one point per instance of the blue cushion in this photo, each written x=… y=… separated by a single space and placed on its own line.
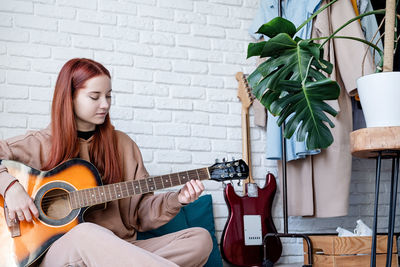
x=200 y=214
x=195 y=214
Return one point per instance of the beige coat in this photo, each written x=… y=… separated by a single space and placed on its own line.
x=320 y=185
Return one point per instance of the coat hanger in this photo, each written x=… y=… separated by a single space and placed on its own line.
x=280 y=8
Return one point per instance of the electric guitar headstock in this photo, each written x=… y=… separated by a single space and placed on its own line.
x=244 y=91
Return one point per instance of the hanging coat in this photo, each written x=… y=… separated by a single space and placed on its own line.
x=319 y=185
x=297 y=11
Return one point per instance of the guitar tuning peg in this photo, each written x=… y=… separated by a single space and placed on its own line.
x=216 y=160
x=223 y=159
x=233 y=158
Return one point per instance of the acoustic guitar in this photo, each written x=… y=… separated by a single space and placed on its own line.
x=73 y=187
x=249 y=217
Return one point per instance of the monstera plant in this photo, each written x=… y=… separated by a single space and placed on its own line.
x=293 y=82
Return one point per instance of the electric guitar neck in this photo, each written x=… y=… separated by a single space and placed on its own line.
x=246 y=98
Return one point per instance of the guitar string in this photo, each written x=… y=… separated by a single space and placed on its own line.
x=48 y=200
x=143 y=189
x=156 y=181
x=157 y=185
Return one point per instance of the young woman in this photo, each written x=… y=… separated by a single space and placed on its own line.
x=80 y=127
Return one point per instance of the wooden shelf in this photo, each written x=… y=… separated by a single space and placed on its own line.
x=367 y=142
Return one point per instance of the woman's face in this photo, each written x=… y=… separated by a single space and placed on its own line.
x=92 y=103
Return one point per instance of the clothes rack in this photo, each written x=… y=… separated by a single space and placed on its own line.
x=266 y=261
x=391 y=153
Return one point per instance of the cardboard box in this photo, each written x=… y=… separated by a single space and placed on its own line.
x=334 y=251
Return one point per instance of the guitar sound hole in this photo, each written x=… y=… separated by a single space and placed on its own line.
x=55 y=204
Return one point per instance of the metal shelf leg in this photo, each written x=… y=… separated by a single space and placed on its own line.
x=374 y=228
x=392 y=208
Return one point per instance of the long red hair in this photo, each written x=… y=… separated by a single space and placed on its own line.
x=103 y=150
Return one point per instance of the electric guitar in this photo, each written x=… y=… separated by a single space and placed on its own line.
x=249 y=217
x=73 y=187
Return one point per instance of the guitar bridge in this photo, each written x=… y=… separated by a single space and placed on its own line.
x=13 y=226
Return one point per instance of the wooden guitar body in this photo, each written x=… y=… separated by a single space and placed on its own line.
x=36 y=237
x=233 y=247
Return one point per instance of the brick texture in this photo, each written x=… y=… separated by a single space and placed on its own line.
x=174 y=92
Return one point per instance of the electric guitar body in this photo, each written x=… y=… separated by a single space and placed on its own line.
x=250 y=217
x=234 y=249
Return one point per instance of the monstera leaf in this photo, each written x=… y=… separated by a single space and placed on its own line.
x=292 y=83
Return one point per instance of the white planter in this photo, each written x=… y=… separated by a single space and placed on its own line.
x=380 y=98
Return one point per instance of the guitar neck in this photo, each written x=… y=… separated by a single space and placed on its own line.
x=246 y=149
x=106 y=193
x=245 y=96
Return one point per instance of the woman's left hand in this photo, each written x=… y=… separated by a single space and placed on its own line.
x=191 y=191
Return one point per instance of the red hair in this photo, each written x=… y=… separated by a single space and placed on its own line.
x=103 y=150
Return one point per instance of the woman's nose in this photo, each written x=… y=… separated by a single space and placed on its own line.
x=104 y=103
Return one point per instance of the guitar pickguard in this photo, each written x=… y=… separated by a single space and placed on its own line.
x=252 y=230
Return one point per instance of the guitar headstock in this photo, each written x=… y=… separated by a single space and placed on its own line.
x=224 y=171
x=244 y=90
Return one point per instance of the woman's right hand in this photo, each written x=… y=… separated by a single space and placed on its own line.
x=20 y=205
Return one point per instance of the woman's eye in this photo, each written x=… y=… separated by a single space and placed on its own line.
x=94 y=98
x=108 y=96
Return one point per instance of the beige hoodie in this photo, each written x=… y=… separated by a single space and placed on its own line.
x=124 y=217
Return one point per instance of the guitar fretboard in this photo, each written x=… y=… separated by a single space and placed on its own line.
x=106 y=193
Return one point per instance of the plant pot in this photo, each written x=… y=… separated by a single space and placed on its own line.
x=379 y=96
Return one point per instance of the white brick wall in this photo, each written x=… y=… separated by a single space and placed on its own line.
x=173 y=65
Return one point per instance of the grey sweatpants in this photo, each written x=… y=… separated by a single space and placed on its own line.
x=91 y=245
